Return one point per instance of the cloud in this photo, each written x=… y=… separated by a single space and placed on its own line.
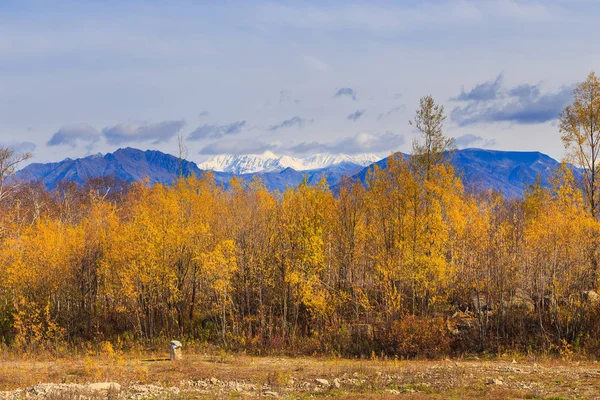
x=216 y=131
x=237 y=147
x=288 y=123
x=20 y=147
x=72 y=135
x=484 y=91
x=524 y=104
x=532 y=109
x=525 y=91
x=361 y=143
x=142 y=131
x=469 y=140
x=391 y=111
x=356 y=115
x=346 y=92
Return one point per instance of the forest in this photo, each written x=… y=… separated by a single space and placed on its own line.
x=408 y=264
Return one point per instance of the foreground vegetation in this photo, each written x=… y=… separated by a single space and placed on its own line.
x=213 y=374
x=409 y=264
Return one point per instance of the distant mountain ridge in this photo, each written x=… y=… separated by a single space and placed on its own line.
x=509 y=172
x=268 y=161
x=127 y=164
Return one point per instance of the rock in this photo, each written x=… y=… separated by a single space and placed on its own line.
x=393 y=391
x=213 y=381
x=460 y=322
x=104 y=386
x=322 y=382
x=336 y=383
x=591 y=297
x=514 y=361
x=148 y=390
x=44 y=389
x=269 y=393
x=521 y=301
x=496 y=382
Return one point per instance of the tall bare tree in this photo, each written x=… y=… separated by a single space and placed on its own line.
x=580 y=129
x=431 y=147
x=9 y=162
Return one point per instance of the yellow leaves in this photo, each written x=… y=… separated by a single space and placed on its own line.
x=35 y=324
x=41 y=259
x=194 y=258
x=218 y=267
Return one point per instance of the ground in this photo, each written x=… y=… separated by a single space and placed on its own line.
x=207 y=376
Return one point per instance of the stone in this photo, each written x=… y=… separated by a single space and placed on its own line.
x=336 y=383
x=322 y=382
x=591 y=297
x=521 y=301
x=270 y=393
x=460 y=322
x=104 y=386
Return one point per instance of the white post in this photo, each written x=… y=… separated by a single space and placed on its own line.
x=176 y=350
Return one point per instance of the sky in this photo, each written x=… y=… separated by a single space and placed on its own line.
x=290 y=77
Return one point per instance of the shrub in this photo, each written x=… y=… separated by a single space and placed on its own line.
x=414 y=336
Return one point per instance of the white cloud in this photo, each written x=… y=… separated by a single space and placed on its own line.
x=209 y=131
x=470 y=140
x=74 y=134
x=363 y=142
x=237 y=147
x=142 y=131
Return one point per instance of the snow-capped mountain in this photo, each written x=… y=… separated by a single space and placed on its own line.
x=268 y=161
x=509 y=172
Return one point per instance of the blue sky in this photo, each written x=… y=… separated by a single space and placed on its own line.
x=292 y=77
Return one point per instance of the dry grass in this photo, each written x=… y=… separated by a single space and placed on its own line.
x=295 y=377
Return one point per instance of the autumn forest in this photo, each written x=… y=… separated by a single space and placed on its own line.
x=408 y=264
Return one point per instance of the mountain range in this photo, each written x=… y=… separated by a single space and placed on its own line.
x=268 y=161
x=509 y=172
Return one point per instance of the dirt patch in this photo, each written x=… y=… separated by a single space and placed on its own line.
x=200 y=376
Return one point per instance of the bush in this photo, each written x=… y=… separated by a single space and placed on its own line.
x=414 y=336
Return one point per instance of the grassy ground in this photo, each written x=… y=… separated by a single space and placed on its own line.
x=220 y=375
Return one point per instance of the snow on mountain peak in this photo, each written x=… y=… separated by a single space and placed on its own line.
x=268 y=161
